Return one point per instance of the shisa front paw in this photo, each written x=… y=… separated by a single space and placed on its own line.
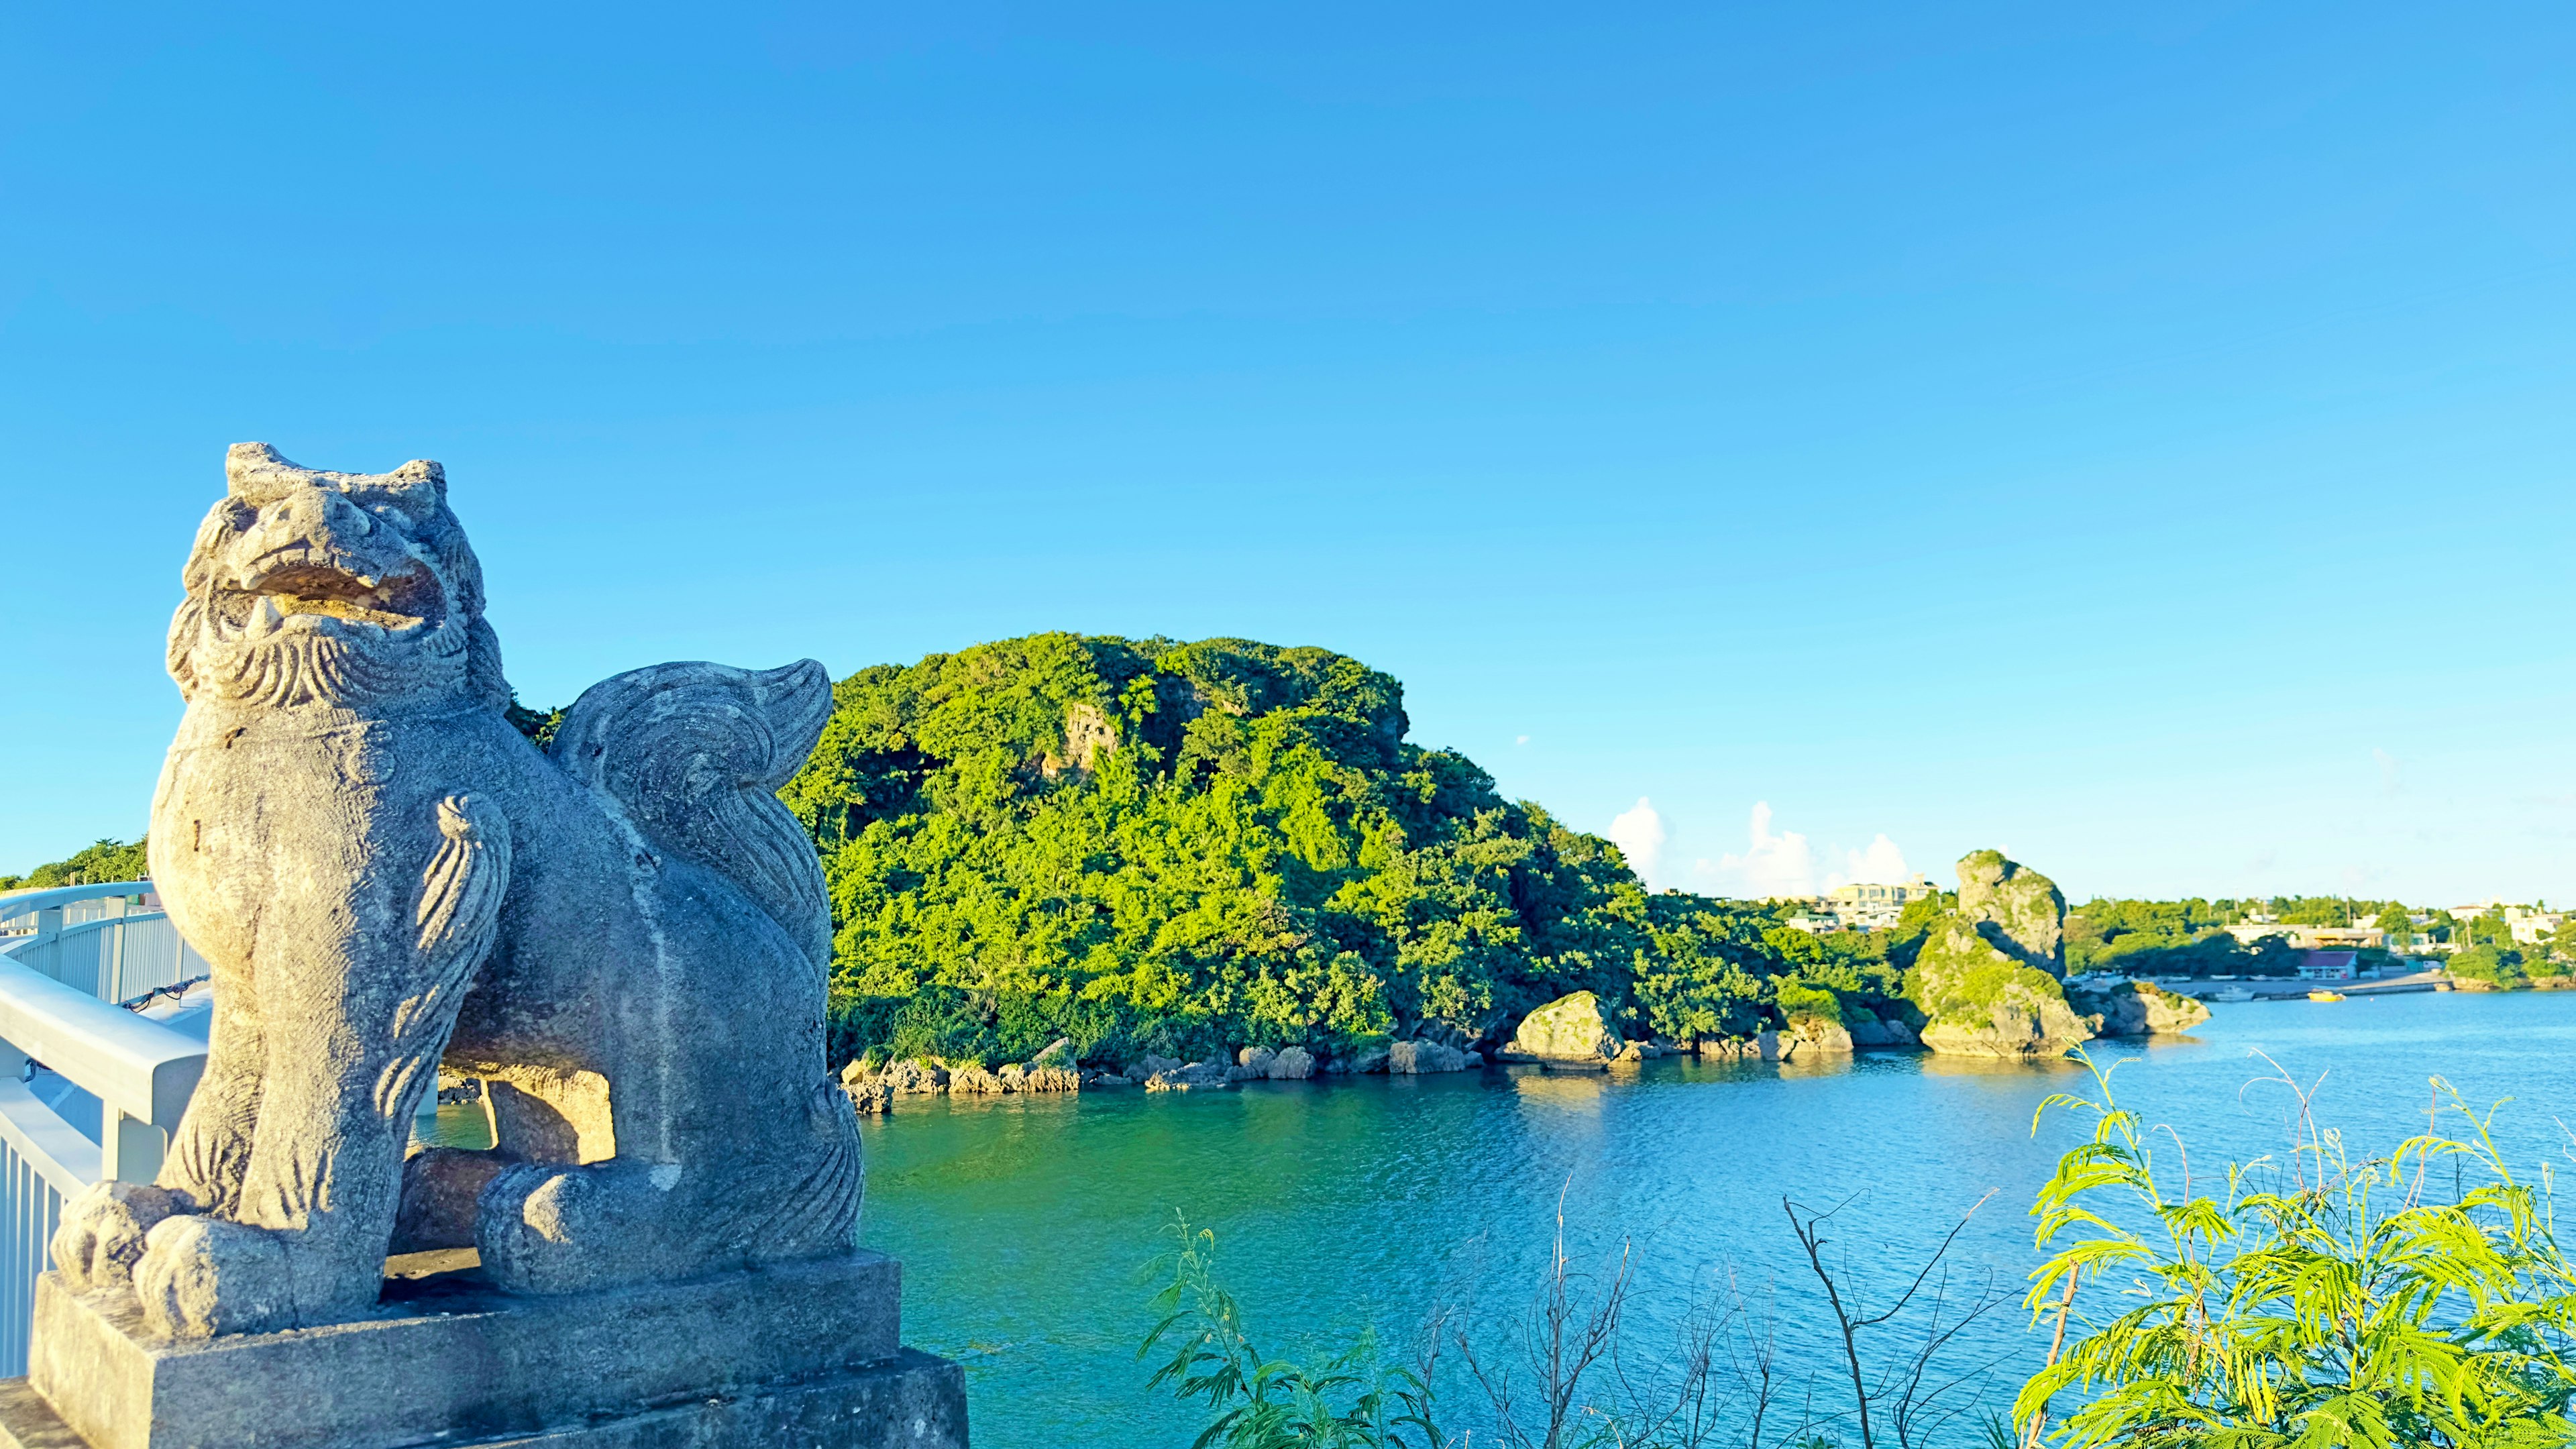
x=102 y=1232
x=199 y=1277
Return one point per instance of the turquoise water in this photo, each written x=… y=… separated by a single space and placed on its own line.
x=1023 y=1222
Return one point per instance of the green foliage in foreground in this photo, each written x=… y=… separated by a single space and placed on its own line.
x=2419 y=1299
x=107 y=860
x=1351 y=1400
x=1149 y=845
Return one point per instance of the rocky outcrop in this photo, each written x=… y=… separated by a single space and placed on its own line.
x=2015 y=909
x=1198 y=1077
x=2136 y=1008
x=1363 y=1060
x=909 y=1078
x=1571 y=1028
x=972 y=1080
x=1814 y=1036
x=870 y=1095
x=1869 y=1030
x=1418 y=1058
x=1986 y=979
x=1262 y=1064
x=1059 y=1054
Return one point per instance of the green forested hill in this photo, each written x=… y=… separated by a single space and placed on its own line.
x=1142 y=843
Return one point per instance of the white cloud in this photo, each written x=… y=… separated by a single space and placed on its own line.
x=1521 y=740
x=1771 y=865
x=1881 y=864
x=1639 y=834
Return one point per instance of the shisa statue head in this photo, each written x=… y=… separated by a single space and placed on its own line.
x=349 y=589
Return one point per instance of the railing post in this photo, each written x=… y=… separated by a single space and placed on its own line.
x=130 y=1150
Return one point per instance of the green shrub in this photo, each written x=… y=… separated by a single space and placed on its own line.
x=2500 y=965
x=2420 y=1298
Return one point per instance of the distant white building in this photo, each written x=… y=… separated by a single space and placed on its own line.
x=1863 y=906
x=2531 y=926
x=2311 y=938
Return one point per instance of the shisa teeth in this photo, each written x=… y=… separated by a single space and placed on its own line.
x=265 y=619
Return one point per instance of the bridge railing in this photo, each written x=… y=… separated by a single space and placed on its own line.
x=89 y=1091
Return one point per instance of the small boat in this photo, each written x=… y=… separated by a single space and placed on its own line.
x=2325 y=996
x=2229 y=993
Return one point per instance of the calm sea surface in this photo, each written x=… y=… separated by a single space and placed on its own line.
x=1023 y=1222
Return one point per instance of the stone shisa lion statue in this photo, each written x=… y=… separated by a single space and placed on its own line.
x=625 y=936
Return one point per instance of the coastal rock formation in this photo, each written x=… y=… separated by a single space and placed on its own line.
x=1569 y=1029
x=2015 y=909
x=1058 y=1053
x=911 y=1078
x=871 y=1095
x=1292 y=1064
x=2137 y=1008
x=1986 y=980
x=1869 y=1030
x=1198 y=1077
x=1416 y=1058
x=1811 y=1036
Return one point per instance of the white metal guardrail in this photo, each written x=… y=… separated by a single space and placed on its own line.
x=89 y=1090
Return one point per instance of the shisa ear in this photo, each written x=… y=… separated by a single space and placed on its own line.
x=418 y=473
x=249 y=465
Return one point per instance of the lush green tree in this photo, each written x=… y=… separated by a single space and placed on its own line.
x=101 y=863
x=1172 y=845
x=2397 y=926
x=2498 y=965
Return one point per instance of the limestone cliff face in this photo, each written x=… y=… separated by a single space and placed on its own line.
x=1987 y=978
x=2016 y=909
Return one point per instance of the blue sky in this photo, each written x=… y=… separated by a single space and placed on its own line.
x=2137 y=441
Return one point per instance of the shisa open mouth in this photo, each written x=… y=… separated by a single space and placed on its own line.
x=299 y=589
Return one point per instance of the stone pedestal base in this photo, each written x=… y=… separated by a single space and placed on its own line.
x=796 y=1356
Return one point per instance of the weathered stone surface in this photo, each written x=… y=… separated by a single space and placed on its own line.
x=1986 y=979
x=869 y=1098
x=623 y=940
x=1570 y=1028
x=452 y=1354
x=629 y=930
x=1416 y=1058
x=1292 y=1064
x=1252 y=1064
x=2136 y=1008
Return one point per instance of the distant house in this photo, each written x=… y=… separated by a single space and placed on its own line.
x=2327 y=965
x=2531 y=927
